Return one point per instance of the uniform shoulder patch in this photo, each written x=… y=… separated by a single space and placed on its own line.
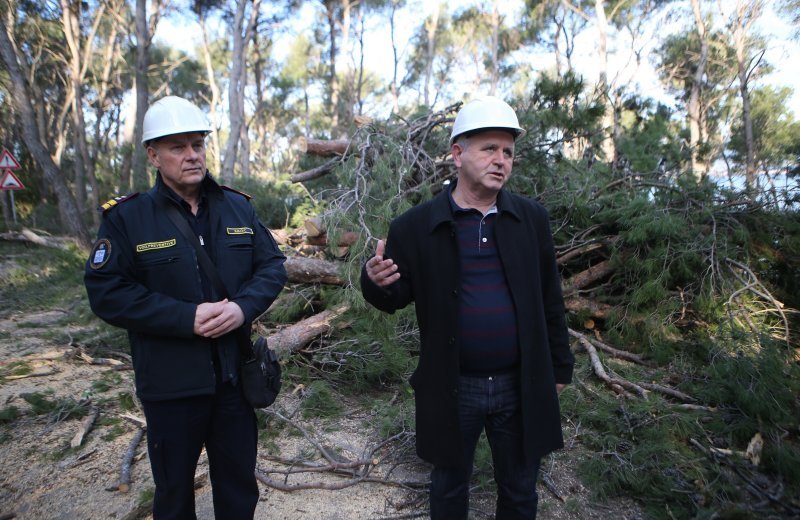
x=116 y=201
x=101 y=252
x=243 y=194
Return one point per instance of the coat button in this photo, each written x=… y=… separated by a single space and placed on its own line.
x=455 y=292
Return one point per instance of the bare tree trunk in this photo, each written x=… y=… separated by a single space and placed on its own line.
x=700 y=166
x=21 y=98
x=70 y=16
x=261 y=117
x=608 y=146
x=431 y=24
x=360 y=82
x=395 y=59
x=241 y=35
x=214 y=101
x=746 y=14
x=111 y=56
x=140 y=179
x=346 y=90
x=557 y=45
x=333 y=80
x=495 y=50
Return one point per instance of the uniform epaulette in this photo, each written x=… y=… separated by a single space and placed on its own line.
x=243 y=194
x=116 y=200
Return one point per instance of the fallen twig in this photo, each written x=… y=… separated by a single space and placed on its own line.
x=48 y=370
x=551 y=486
x=85 y=427
x=621 y=354
x=617 y=384
x=124 y=483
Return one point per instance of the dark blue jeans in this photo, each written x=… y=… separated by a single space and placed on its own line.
x=492 y=403
x=178 y=429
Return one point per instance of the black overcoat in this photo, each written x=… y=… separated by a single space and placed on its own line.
x=422 y=242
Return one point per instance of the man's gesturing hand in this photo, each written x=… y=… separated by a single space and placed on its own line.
x=382 y=272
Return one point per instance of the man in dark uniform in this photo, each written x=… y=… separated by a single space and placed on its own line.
x=143 y=275
x=479 y=263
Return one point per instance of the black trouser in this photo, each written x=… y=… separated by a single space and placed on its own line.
x=178 y=429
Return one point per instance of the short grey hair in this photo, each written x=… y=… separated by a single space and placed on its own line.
x=462 y=141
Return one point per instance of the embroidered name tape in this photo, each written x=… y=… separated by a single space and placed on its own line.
x=239 y=231
x=149 y=246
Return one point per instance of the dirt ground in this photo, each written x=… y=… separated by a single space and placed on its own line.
x=41 y=477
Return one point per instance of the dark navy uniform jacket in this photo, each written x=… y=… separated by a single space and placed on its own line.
x=143 y=276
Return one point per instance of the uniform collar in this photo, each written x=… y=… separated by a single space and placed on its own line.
x=208 y=188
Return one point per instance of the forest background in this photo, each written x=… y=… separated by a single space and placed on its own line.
x=660 y=138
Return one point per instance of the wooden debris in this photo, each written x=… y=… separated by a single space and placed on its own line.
x=138 y=421
x=752 y=453
x=27 y=235
x=37 y=370
x=348 y=238
x=85 y=427
x=619 y=385
x=313 y=270
x=621 y=354
x=353 y=471
x=579 y=251
x=362 y=121
x=696 y=407
x=551 y=486
x=100 y=361
x=323 y=147
x=616 y=383
x=314 y=227
x=296 y=336
x=281 y=236
x=587 y=277
x=596 y=310
x=313 y=173
x=124 y=483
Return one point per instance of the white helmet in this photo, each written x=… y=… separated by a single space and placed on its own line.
x=486 y=112
x=173 y=115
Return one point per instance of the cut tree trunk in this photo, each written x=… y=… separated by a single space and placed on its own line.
x=319 y=171
x=347 y=238
x=323 y=148
x=313 y=270
x=587 y=277
x=595 y=309
x=26 y=235
x=296 y=336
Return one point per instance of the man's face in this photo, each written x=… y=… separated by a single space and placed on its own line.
x=181 y=159
x=485 y=161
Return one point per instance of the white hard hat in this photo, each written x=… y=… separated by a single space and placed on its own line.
x=486 y=112
x=173 y=115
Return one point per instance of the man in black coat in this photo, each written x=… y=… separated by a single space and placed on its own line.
x=479 y=263
x=143 y=275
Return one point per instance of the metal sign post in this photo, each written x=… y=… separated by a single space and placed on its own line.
x=10 y=181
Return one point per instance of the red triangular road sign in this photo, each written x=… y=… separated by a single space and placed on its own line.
x=10 y=182
x=8 y=161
